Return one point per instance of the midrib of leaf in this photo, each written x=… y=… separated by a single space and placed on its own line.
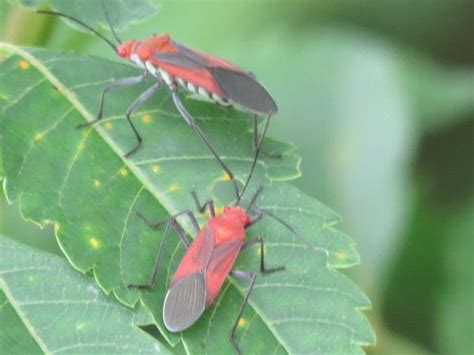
x=23 y=317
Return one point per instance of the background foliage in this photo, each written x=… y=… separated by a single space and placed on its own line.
x=383 y=92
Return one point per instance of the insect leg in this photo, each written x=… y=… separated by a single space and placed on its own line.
x=136 y=104
x=250 y=276
x=254 y=220
x=122 y=83
x=152 y=279
x=259 y=215
x=202 y=207
x=156 y=225
x=256 y=140
x=169 y=222
x=255 y=132
x=263 y=269
x=189 y=120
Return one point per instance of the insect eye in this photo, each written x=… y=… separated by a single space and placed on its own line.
x=122 y=51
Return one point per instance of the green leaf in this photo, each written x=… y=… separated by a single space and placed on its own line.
x=80 y=181
x=454 y=321
x=356 y=112
x=14 y=336
x=64 y=311
x=1 y=164
x=440 y=95
x=121 y=12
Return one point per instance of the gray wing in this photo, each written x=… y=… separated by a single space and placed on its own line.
x=184 y=303
x=245 y=90
x=204 y=245
x=179 y=60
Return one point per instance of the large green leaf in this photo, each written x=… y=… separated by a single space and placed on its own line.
x=455 y=309
x=80 y=181
x=120 y=12
x=62 y=310
x=14 y=336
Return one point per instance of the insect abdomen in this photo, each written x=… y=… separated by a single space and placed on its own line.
x=171 y=80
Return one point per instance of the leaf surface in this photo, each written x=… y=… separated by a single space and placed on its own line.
x=455 y=311
x=14 y=336
x=80 y=181
x=121 y=12
x=63 y=311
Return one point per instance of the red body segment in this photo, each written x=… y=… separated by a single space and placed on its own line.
x=150 y=50
x=214 y=250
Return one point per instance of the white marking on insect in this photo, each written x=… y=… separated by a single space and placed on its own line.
x=218 y=99
x=151 y=69
x=203 y=92
x=191 y=87
x=181 y=82
x=134 y=57
x=166 y=77
x=221 y=101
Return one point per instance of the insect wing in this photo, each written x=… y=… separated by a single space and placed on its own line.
x=245 y=90
x=184 y=303
x=218 y=76
x=223 y=259
x=197 y=256
x=193 y=59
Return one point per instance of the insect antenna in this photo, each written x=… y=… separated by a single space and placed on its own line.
x=290 y=228
x=106 y=13
x=79 y=22
x=254 y=164
x=254 y=198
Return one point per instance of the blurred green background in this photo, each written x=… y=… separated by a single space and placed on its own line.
x=378 y=96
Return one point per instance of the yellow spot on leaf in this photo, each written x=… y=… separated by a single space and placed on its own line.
x=97 y=183
x=226 y=177
x=146 y=118
x=38 y=136
x=242 y=322
x=94 y=242
x=4 y=97
x=156 y=168
x=24 y=64
x=80 y=326
x=217 y=210
x=123 y=172
x=108 y=125
x=341 y=255
x=173 y=188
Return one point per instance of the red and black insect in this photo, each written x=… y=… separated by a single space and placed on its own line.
x=176 y=65
x=209 y=259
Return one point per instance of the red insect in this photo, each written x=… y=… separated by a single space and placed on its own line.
x=176 y=65
x=209 y=259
